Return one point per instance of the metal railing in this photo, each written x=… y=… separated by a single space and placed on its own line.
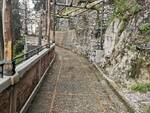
x=1 y=68
x=19 y=59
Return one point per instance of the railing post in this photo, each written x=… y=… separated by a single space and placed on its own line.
x=14 y=66
x=1 y=68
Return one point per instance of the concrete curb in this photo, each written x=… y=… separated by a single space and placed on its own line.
x=115 y=88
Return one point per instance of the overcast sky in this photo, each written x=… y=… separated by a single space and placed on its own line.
x=31 y=5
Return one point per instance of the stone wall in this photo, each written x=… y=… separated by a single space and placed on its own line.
x=20 y=87
x=65 y=38
x=121 y=59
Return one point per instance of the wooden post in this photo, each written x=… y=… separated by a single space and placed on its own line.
x=7 y=34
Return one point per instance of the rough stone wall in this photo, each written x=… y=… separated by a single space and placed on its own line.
x=121 y=59
x=65 y=38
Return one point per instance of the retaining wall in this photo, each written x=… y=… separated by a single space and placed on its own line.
x=65 y=38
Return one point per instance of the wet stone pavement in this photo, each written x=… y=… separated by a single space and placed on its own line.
x=72 y=85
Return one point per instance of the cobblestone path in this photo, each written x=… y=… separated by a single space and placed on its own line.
x=72 y=85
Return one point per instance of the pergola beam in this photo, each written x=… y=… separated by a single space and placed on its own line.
x=88 y=7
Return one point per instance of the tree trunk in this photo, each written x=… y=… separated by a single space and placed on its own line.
x=7 y=34
x=46 y=18
x=26 y=16
x=48 y=22
x=1 y=48
x=40 y=32
x=54 y=24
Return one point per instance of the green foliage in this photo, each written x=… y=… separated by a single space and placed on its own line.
x=122 y=27
x=19 y=47
x=125 y=8
x=135 y=8
x=121 y=7
x=97 y=7
x=145 y=28
x=131 y=47
x=15 y=17
x=148 y=110
x=141 y=87
x=19 y=59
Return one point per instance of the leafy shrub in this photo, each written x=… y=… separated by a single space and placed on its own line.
x=145 y=28
x=135 y=8
x=19 y=47
x=141 y=87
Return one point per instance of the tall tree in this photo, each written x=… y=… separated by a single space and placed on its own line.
x=24 y=16
x=48 y=21
x=39 y=4
x=16 y=19
x=45 y=5
x=1 y=34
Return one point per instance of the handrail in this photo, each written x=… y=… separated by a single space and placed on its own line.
x=19 y=59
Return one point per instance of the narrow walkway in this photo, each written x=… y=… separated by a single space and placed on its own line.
x=72 y=86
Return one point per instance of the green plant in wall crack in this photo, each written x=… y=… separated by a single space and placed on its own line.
x=122 y=27
x=144 y=29
x=125 y=8
x=121 y=6
x=135 y=8
x=19 y=47
x=141 y=87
